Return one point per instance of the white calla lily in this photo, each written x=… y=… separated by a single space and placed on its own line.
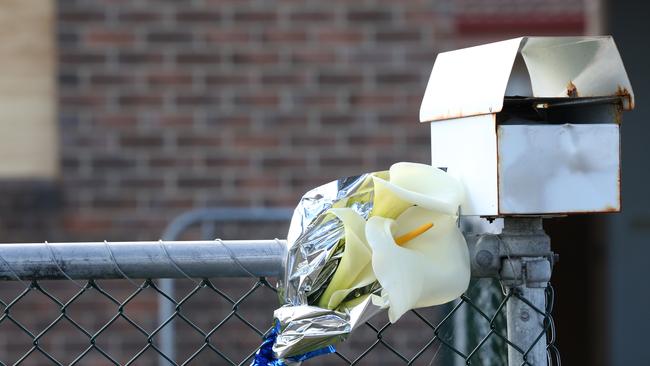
x=416 y=184
x=354 y=270
x=429 y=266
x=430 y=269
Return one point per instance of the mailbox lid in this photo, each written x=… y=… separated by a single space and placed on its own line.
x=474 y=81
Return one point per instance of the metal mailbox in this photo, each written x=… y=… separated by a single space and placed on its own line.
x=530 y=125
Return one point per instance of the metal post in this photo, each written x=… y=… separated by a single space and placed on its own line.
x=525 y=273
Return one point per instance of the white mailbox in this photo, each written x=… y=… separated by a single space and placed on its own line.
x=530 y=125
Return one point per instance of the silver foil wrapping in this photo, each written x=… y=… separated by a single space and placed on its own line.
x=314 y=249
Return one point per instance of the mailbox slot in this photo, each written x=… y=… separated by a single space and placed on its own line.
x=535 y=111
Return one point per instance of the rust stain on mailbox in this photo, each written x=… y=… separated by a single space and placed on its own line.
x=571 y=90
x=622 y=91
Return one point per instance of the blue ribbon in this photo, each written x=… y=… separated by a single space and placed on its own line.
x=265 y=356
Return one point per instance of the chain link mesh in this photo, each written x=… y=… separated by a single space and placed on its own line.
x=221 y=321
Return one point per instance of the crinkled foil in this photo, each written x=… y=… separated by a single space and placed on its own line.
x=313 y=253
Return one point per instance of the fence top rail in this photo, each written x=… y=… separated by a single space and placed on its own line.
x=142 y=259
x=183 y=259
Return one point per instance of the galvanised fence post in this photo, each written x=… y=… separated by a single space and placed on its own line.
x=525 y=274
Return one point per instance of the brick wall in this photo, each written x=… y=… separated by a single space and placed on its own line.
x=166 y=106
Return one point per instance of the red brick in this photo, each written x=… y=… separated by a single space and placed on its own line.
x=317 y=141
x=80 y=16
x=369 y=15
x=113 y=203
x=111 y=162
x=189 y=182
x=281 y=200
x=228 y=78
x=339 y=36
x=198 y=16
x=140 y=100
x=319 y=99
x=374 y=100
x=227 y=161
x=139 y=16
x=400 y=78
x=198 y=58
x=257 y=17
x=175 y=162
x=422 y=139
x=282 y=120
x=340 y=161
x=147 y=58
x=372 y=56
x=317 y=57
x=85 y=223
x=261 y=99
x=282 y=162
x=228 y=35
x=142 y=182
x=198 y=141
x=372 y=141
x=230 y=122
x=513 y=23
x=284 y=36
x=91 y=100
x=333 y=119
x=258 y=182
x=340 y=78
x=255 y=141
x=116 y=120
x=169 y=78
x=81 y=58
x=196 y=99
x=176 y=120
x=255 y=57
x=169 y=37
x=169 y=203
x=399 y=36
x=111 y=79
x=312 y=16
x=141 y=141
x=109 y=37
x=403 y=118
x=286 y=78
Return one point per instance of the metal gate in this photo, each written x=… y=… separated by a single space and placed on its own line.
x=107 y=299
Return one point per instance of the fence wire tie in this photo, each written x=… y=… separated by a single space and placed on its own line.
x=508 y=250
x=56 y=263
x=234 y=257
x=173 y=262
x=117 y=266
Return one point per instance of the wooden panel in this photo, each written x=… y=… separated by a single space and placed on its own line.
x=28 y=137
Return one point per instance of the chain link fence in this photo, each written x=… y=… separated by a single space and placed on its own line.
x=220 y=321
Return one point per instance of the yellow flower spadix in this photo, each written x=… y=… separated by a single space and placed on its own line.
x=413 y=234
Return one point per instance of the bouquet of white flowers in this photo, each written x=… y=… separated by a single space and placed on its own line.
x=383 y=240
